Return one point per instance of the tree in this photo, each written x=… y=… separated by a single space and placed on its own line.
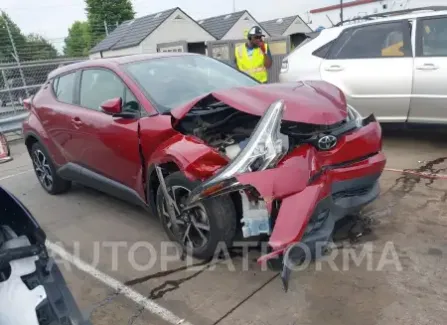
x=109 y=11
x=31 y=47
x=6 y=48
x=78 y=41
x=39 y=48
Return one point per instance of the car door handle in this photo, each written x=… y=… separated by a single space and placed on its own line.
x=76 y=122
x=427 y=66
x=334 y=68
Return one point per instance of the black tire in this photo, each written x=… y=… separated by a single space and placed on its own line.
x=220 y=212
x=58 y=184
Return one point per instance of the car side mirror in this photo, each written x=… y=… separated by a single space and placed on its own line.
x=112 y=106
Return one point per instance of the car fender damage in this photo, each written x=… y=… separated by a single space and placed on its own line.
x=293 y=187
x=196 y=159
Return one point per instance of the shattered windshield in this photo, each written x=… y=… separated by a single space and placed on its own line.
x=172 y=81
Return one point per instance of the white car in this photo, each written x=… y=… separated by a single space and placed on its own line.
x=394 y=67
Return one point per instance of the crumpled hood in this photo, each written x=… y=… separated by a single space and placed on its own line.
x=313 y=102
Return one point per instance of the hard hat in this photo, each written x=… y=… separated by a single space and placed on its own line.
x=255 y=31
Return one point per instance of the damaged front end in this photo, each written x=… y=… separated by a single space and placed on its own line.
x=292 y=188
x=264 y=150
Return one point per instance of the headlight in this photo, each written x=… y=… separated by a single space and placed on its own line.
x=264 y=149
x=353 y=114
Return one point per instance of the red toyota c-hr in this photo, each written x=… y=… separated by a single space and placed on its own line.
x=206 y=148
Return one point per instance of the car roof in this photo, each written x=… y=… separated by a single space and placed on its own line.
x=413 y=15
x=114 y=62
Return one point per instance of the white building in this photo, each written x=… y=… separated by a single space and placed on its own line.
x=231 y=26
x=329 y=15
x=292 y=26
x=149 y=33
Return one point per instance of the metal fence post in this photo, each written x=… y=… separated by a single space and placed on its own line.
x=16 y=55
x=5 y=80
x=106 y=28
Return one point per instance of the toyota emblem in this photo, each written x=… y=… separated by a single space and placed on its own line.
x=327 y=142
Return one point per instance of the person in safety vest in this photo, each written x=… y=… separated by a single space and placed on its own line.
x=254 y=57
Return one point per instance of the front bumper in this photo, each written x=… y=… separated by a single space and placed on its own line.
x=309 y=216
x=347 y=198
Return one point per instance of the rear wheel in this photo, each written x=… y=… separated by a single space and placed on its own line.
x=46 y=171
x=202 y=228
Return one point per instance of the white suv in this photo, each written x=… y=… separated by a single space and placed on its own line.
x=394 y=67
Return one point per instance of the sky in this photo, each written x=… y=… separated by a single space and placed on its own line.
x=52 y=18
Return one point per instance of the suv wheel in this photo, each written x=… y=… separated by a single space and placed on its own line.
x=46 y=172
x=202 y=228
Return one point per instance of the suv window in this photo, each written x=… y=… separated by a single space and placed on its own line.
x=64 y=88
x=373 y=41
x=432 y=37
x=323 y=51
x=99 y=85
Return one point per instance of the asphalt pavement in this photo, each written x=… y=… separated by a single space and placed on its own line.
x=400 y=280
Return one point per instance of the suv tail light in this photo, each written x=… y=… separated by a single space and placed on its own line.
x=284 y=65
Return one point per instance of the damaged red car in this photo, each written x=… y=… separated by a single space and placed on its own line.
x=209 y=150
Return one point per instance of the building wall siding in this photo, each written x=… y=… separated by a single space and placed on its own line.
x=172 y=30
x=244 y=23
x=298 y=26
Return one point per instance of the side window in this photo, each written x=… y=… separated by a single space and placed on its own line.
x=130 y=103
x=432 y=37
x=54 y=85
x=64 y=88
x=323 y=51
x=373 y=41
x=97 y=86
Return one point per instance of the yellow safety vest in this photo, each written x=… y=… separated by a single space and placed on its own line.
x=254 y=65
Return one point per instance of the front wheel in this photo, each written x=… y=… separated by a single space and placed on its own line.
x=203 y=229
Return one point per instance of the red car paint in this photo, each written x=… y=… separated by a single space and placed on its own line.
x=109 y=145
x=313 y=102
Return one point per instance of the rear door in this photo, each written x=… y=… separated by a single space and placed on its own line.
x=53 y=106
x=110 y=145
x=429 y=98
x=373 y=65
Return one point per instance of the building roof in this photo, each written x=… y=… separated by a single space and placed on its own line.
x=277 y=27
x=345 y=5
x=220 y=25
x=132 y=32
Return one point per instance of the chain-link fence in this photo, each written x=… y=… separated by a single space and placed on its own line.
x=26 y=61
x=18 y=82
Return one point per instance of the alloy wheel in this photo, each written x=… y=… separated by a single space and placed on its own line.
x=42 y=169
x=193 y=225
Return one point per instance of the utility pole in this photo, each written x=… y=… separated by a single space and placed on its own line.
x=341 y=11
x=106 y=28
x=234 y=5
x=16 y=57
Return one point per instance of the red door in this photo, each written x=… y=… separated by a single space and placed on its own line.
x=106 y=145
x=53 y=106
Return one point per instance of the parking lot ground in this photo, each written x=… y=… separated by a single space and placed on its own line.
x=401 y=279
